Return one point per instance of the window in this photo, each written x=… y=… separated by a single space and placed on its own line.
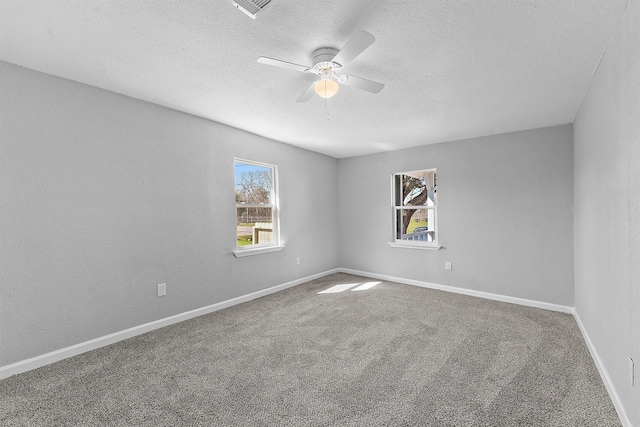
x=256 y=208
x=415 y=209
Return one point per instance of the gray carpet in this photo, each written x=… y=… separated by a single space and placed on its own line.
x=392 y=355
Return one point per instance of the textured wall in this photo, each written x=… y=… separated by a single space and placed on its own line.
x=504 y=211
x=103 y=197
x=607 y=210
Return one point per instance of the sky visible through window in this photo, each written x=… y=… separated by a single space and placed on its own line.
x=241 y=168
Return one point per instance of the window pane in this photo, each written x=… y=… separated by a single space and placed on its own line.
x=416 y=224
x=418 y=189
x=254 y=183
x=254 y=225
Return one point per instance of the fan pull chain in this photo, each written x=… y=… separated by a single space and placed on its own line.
x=326 y=109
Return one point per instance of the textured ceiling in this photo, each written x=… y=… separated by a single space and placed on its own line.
x=452 y=69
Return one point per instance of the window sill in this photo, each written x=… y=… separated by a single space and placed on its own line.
x=415 y=246
x=239 y=253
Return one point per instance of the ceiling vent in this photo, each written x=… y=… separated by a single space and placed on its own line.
x=251 y=7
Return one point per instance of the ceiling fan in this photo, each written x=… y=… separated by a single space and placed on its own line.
x=327 y=63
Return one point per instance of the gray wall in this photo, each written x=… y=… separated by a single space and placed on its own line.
x=607 y=210
x=103 y=196
x=504 y=211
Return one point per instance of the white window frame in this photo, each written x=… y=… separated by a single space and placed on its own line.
x=411 y=244
x=261 y=248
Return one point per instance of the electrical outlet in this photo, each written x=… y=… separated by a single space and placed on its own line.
x=298 y=261
x=161 y=289
x=448 y=265
x=631 y=373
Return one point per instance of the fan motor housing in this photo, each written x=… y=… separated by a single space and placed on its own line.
x=322 y=58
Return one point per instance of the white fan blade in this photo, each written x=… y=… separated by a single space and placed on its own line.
x=364 y=84
x=282 y=64
x=354 y=47
x=307 y=94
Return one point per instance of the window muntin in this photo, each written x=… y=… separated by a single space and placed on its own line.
x=415 y=207
x=256 y=204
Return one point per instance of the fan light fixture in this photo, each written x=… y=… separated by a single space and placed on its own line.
x=326 y=88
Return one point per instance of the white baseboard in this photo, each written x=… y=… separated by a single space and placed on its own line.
x=74 y=350
x=606 y=379
x=479 y=294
